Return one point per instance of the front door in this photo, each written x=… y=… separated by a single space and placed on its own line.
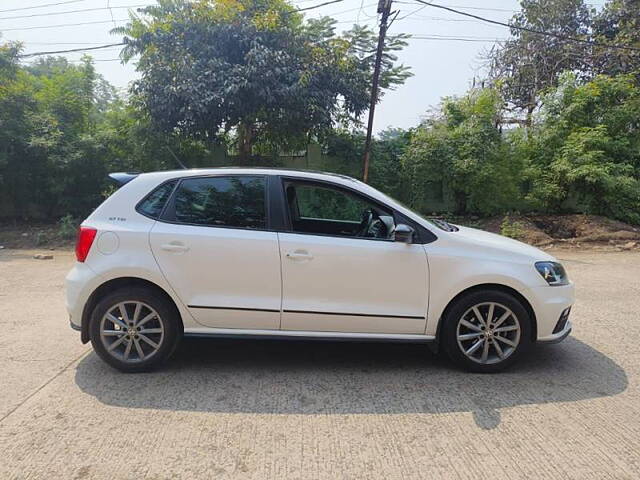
x=214 y=250
x=341 y=272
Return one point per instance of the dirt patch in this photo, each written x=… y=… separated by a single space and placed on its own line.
x=518 y=227
x=41 y=236
x=564 y=230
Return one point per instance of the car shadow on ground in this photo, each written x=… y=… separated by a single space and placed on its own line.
x=303 y=377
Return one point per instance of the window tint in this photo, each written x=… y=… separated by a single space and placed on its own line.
x=234 y=201
x=325 y=210
x=328 y=204
x=154 y=203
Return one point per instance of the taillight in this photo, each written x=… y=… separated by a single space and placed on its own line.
x=84 y=242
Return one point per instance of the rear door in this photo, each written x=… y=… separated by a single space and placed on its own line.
x=213 y=246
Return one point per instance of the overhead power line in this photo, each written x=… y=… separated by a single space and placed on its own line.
x=412 y=12
x=317 y=6
x=62 y=25
x=469 y=7
x=111 y=13
x=126 y=19
x=457 y=39
x=66 y=43
x=532 y=30
x=66 y=12
x=72 y=50
x=41 y=6
x=99 y=47
x=490 y=9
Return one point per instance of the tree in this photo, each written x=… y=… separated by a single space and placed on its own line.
x=50 y=162
x=617 y=23
x=526 y=64
x=253 y=68
x=17 y=104
x=585 y=148
x=462 y=147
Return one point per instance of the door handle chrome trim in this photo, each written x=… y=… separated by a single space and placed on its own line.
x=174 y=247
x=297 y=255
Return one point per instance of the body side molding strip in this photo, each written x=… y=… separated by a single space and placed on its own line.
x=375 y=315
x=235 y=308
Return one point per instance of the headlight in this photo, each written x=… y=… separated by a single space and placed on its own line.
x=553 y=272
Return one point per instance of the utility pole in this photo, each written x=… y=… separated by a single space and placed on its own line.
x=384 y=7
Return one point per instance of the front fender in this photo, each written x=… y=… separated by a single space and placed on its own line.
x=453 y=272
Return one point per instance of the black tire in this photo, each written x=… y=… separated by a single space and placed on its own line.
x=167 y=318
x=456 y=312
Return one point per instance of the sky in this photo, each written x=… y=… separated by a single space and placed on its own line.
x=445 y=54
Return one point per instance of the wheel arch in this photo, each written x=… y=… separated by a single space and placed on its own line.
x=116 y=284
x=496 y=287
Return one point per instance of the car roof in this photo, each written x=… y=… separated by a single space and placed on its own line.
x=300 y=173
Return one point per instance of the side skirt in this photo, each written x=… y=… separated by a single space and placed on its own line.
x=305 y=335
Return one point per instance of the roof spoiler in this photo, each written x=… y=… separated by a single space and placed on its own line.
x=122 y=178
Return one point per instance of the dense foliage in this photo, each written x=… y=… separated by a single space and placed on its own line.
x=464 y=149
x=50 y=159
x=557 y=129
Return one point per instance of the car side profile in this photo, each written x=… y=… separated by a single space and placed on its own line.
x=278 y=253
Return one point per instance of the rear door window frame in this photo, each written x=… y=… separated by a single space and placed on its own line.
x=169 y=213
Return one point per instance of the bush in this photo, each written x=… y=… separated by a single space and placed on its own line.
x=67 y=227
x=511 y=229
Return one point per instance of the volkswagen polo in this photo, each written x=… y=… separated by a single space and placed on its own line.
x=279 y=253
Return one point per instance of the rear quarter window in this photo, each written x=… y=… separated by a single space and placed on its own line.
x=154 y=202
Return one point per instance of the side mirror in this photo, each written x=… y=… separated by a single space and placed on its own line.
x=403 y=233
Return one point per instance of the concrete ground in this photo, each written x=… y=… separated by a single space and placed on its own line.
x=275 y=409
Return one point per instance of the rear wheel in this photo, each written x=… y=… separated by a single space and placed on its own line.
x=486 y=331
x=134 y=329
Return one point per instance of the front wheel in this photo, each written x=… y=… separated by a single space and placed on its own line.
x=486 y=331
x=134 y=329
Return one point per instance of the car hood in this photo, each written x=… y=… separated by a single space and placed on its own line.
x=498 y=244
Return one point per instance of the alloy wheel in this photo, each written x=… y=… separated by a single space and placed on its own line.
x=488 y=333
x=131 y=331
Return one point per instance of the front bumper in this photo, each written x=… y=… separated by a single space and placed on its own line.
x=559 y=336
x=548 y=304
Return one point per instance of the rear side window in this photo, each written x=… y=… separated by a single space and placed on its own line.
x=153 y=204
x=231 y=201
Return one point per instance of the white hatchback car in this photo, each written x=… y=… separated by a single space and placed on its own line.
x=279 y=253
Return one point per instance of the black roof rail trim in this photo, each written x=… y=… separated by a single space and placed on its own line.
x=122 y=178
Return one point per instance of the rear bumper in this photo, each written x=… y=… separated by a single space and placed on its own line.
x=79 y=285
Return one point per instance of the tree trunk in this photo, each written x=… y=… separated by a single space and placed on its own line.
x=245 y=141
x=460 y=199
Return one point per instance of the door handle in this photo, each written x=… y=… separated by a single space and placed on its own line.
x=299 y=255
x=175 y=247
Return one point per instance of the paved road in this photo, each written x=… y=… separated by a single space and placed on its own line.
x=262 y=410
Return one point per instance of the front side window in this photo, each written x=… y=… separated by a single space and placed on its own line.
x=230 y=201
x=153 y=204
x=323 y=209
